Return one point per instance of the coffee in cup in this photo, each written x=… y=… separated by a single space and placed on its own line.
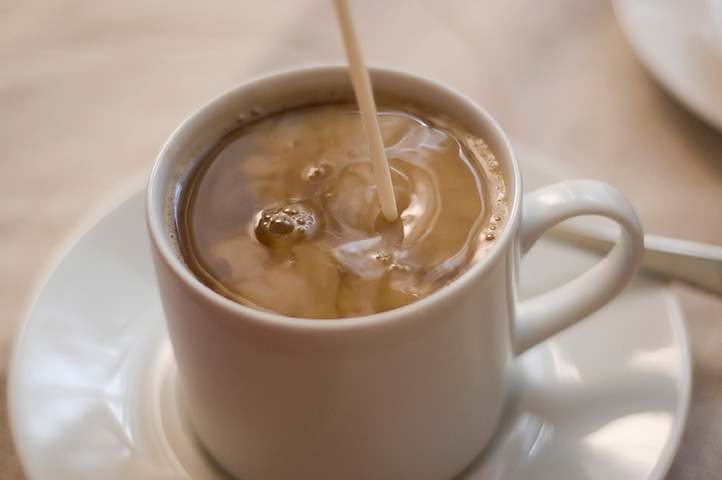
x=283 y=213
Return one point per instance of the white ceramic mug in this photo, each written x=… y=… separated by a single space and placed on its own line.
x=411 y=393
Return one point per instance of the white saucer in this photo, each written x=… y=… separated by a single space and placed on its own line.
x=680 y=42
x=92 y=388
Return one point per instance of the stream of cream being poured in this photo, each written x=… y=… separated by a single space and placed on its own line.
x=365 y=99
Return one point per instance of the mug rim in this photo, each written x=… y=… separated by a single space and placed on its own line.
x=164 y=165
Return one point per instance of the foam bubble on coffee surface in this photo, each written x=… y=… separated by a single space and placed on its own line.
x=285 y=224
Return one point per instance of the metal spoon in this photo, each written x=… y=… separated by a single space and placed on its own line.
x=695 y=263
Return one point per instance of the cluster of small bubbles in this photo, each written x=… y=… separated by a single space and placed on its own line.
x=493 y=166
x=286 y=224
x=170 y=223
x=388 y=259
x=383 y=257
x=491 y=232
x=318 y=172
x=402 y=268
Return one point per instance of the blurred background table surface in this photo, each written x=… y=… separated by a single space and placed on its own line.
x=90 y=91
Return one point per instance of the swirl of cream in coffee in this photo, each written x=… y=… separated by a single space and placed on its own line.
x=285 y=215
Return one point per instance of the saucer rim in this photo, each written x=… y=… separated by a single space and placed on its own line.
x=684 y=382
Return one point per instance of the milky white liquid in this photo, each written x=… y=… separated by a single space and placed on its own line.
x=365 y=99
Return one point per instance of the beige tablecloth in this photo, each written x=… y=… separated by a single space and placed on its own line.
x=90 y=90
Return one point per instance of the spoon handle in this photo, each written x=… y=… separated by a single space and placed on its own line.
x=695 y=263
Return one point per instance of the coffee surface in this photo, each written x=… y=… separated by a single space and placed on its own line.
x=284 y=216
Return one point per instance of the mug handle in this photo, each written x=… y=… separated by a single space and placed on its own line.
x=542 y=316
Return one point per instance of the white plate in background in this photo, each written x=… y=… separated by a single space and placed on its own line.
x=680 y=43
